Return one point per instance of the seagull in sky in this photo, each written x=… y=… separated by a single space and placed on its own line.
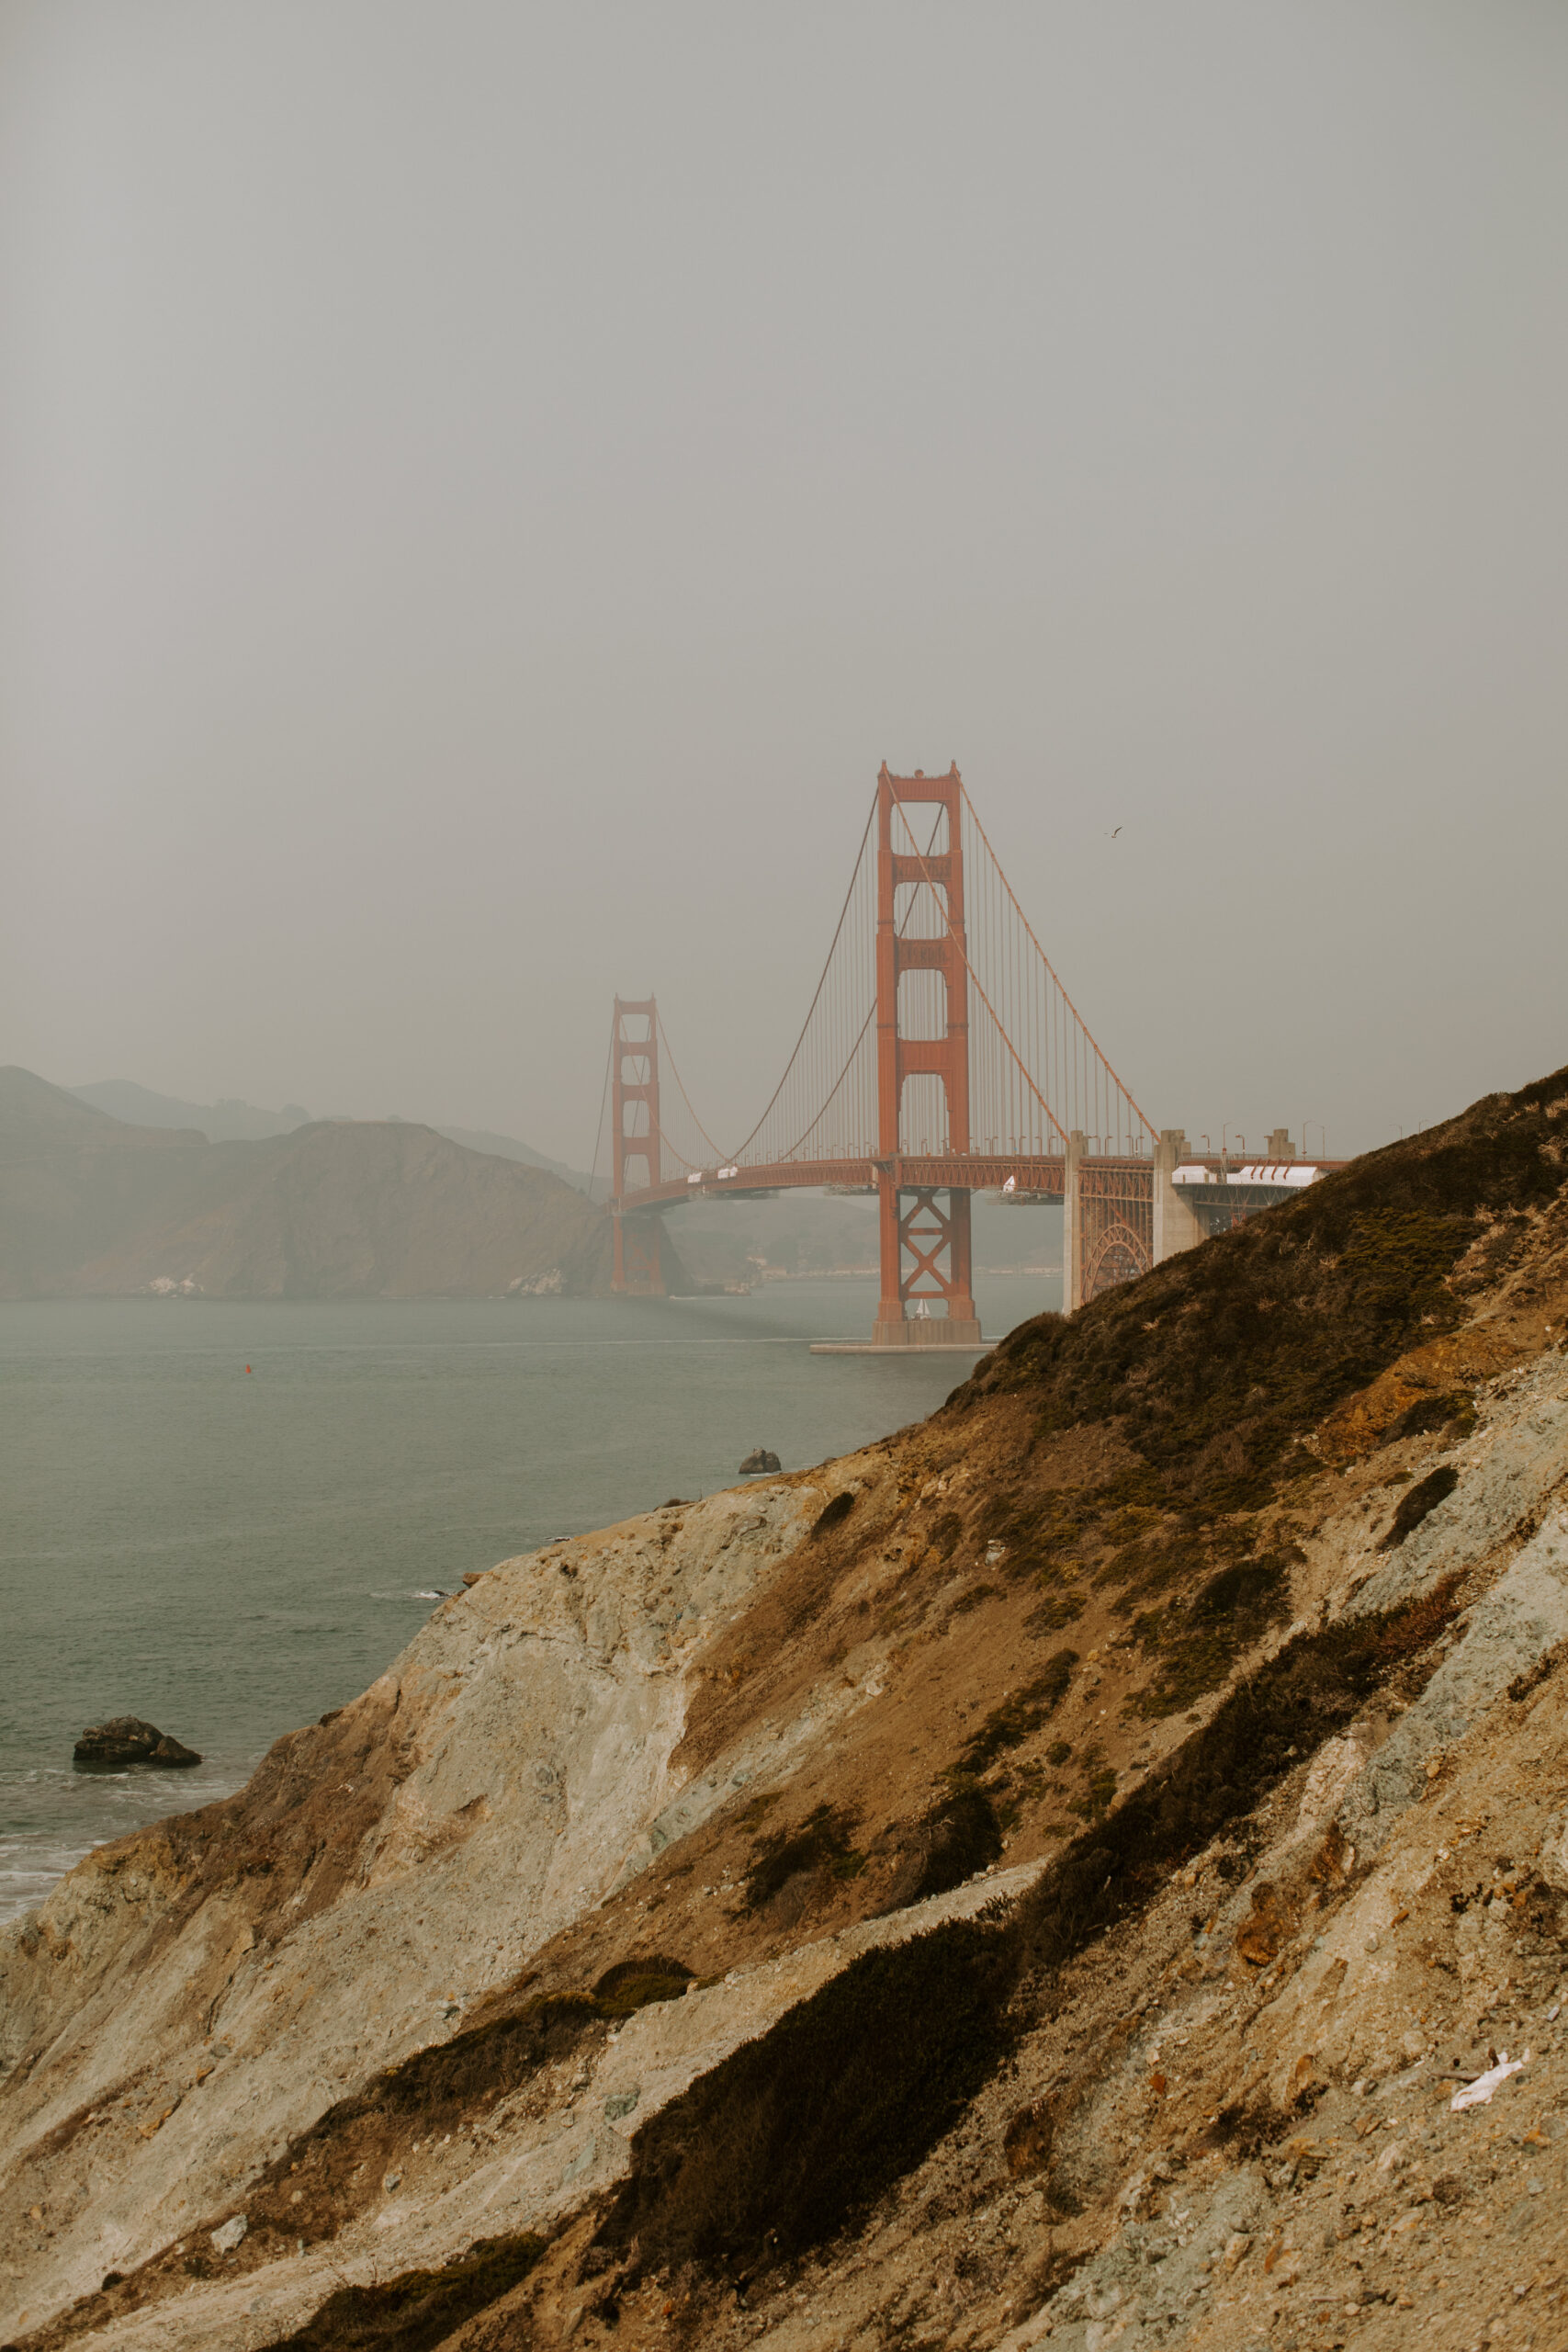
x=1115 y=831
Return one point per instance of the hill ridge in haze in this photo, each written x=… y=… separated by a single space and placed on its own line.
x=230 y=1120
x=93 y=1205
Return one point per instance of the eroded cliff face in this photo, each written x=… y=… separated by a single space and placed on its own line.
x=1045 y=1876
x=383 y=1869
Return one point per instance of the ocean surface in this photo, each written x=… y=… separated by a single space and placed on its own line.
x=229 y=1518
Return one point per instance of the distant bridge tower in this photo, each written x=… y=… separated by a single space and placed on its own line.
x=925 y=1251
x=635 y=1269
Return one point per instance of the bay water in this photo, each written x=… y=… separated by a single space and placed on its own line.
x=228 y=1517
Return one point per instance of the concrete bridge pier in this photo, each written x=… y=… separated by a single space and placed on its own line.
x=1120 y=1218
x=1175 y=1225
x=1072 y=1223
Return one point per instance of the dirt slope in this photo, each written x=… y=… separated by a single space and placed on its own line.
x=1044 y=1878
x=336 y=1209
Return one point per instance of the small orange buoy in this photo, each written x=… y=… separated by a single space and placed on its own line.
x=247 y=1367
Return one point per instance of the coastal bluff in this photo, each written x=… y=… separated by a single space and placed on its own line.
x=1046 y=1876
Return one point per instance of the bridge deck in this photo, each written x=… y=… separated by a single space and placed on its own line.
x=979 y=1172
x=975 y=1171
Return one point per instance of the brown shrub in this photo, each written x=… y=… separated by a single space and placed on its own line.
x=961 y=1835
x=421 y=2309
x=771 y=2152
x=1026 y=2143
x=1417 y=1502
x=1023 y=1713
x=821 y=1843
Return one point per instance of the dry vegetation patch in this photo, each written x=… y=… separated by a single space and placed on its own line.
x=421 y=2309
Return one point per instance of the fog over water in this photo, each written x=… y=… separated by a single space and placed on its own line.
x=485 y=487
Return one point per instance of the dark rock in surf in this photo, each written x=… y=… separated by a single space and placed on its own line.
x=127 y=1740
x=759 y=1461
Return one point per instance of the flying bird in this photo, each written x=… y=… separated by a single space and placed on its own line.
x=1114 y=832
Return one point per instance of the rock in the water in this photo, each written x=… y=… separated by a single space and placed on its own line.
x=128 y=1740
x=759 y=1459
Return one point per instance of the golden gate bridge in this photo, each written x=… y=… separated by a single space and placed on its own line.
x=939 y=1056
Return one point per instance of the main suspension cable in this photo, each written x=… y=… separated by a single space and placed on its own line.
x=664 y=1040
x=958 y=942
x=1066 y=999
x=821 y=984
x=603 y=1103
x=903 y=926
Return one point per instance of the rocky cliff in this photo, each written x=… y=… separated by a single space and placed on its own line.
x=1047 y=1877
x=334 y=1209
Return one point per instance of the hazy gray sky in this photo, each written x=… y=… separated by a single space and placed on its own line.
x=484 y=486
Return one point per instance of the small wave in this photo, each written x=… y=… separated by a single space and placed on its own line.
x=28 y=1875
x=103 y=1806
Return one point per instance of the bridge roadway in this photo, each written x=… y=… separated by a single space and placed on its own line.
x=975 y=1171
x=1123 y=1213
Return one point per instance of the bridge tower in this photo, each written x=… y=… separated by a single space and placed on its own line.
x=636 y=1268
x=934 y=1243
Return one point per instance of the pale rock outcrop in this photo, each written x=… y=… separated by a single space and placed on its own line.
x=526 y=2171
x=534 y=1719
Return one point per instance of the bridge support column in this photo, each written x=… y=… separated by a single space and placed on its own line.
x=636 y=1270
x=890 y=1303
x=915 y=1239
x=1176 y=1225
x=1072 y=1223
